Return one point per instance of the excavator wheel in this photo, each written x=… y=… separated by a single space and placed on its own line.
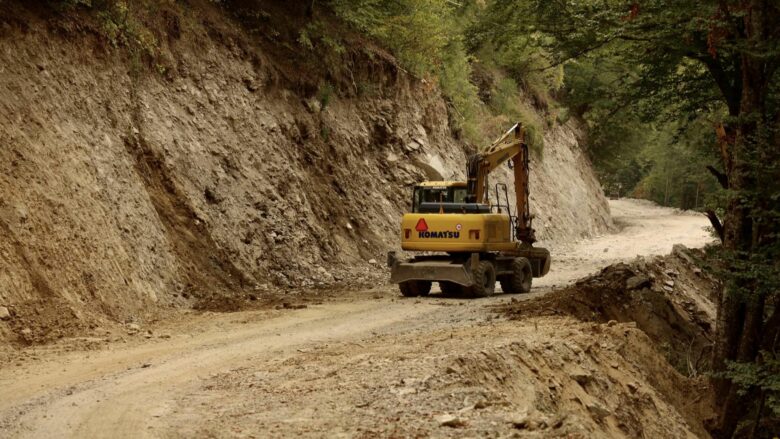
x=520 y=280
x=484 y=280
x=414 y=288
x=450 y=289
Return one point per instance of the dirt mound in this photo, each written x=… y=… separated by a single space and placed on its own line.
x=669 y=298
x=586 y=380
x=658 y=312
x=549 y=377
x=38 y=321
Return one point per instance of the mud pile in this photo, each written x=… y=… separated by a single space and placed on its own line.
x=669 y=298
x=236 y=165
x=541 y=377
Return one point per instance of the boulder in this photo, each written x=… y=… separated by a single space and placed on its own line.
x=637 y=282
x=448 y=420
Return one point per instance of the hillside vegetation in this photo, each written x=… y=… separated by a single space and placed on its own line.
x=495 y=63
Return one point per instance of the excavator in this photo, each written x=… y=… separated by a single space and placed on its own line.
x=465 y=242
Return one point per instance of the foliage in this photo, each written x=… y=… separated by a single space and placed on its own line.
x=417 y=31
x=325 y=95
x=506 y=101
x=424 y=36
x=462 y=94
x=119 y=22
x=675 y=163
x=499 y=35
x=441 y=39
x=636 y=144
x=764 y=375
x=670 y=65
x=315 y=32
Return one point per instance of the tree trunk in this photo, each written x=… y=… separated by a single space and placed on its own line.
x=741 y=313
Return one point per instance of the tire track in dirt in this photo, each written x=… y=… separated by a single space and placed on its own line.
x=116 y=401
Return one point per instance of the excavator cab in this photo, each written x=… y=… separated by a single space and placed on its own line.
x=444 y=197
x=439 y=192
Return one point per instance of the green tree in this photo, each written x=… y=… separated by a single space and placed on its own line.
x=693 y=58
x=417 y=32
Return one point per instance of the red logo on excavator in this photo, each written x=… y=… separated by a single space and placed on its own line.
x=421 y=226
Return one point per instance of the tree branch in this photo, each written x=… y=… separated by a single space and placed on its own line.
x=722 y=178
x=731 y=93
x=716 y=224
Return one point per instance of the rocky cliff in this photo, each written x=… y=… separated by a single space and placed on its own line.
x=233 y=164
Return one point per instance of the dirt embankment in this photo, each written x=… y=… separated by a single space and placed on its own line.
x=236 y=164
x=670 y=299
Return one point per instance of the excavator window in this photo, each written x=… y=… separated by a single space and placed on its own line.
x=459 y=195
x=450 y=198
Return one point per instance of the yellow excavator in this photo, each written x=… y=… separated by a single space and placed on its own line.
x=466 y=242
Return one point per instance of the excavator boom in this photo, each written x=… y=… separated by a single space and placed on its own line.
x=510 y=146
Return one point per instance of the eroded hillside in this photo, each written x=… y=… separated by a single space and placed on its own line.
x=234 y=165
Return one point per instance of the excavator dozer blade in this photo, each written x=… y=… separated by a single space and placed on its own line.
x=435 y=271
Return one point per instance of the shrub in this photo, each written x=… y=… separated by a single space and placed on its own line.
x=507 y=99
x=461 y=93
x=325 y=94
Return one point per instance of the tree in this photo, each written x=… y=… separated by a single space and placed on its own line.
x=713 y=57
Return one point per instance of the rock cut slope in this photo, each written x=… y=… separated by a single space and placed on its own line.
x=234 y=164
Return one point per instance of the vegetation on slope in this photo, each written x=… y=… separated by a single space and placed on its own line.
x=487 y=79
x=485 y=75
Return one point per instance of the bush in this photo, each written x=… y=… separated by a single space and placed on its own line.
x=119 y=24
x=461 y=93
x=507 y=100
x=416 y=31
x=325 y=95
x=563 y=115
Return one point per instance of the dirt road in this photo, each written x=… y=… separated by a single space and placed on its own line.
x=643 y=229
x=371 y=364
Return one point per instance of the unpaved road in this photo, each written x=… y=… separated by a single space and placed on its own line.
x=643 y=229
x=352 y=367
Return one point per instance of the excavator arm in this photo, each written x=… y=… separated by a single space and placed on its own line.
x=510 y=146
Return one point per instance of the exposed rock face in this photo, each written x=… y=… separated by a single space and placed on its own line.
x=121 y=193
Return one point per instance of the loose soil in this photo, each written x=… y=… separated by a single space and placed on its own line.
x=371 y=363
